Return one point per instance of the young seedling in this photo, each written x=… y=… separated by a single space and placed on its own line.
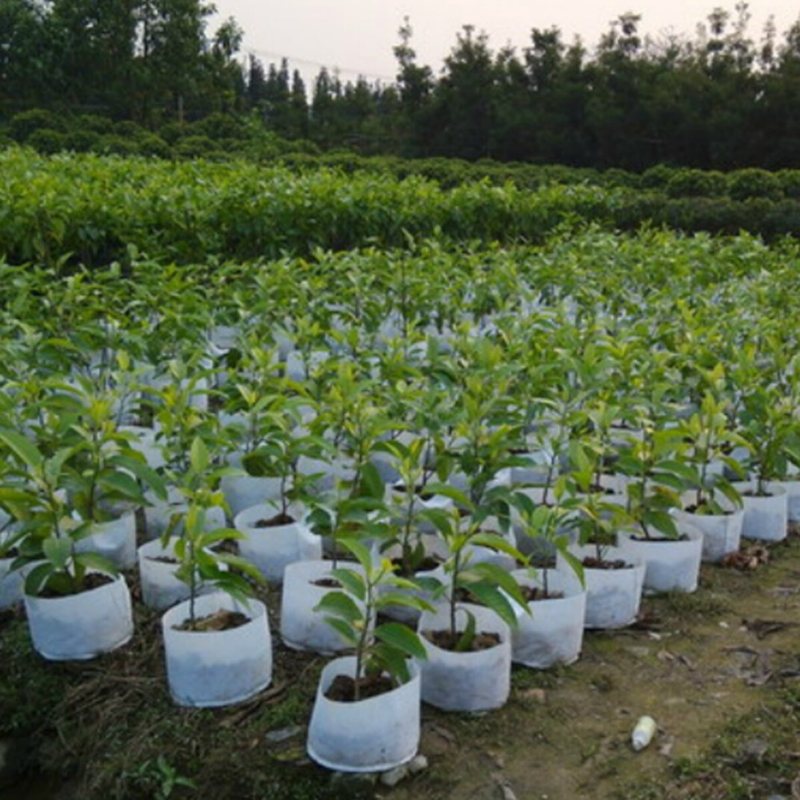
x=200 y=561
x=381 y=649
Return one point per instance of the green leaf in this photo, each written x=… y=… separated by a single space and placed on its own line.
x=121 y=485
x=37 y=578
x=198 y=455
x=497 y=543
x=340 y=605
x=494 y=599
x=387 y=658
x=96 y=562
x=402 y=638
x=343 y=629
x=575 y=564
x=144 y=473
x=371 y=482
x=406 y=600
x=467 y=637
x=241 y=564
x=352 y=581
x=57 y=551
x=23 y=449
x=361 y=553
x=493 y=574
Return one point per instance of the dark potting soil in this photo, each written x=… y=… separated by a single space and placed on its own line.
x=273 y=522
x=597 y=489
x=755 y=494
x=655 y=539
x=533 y=594
x=446 y=641
x=343 y=688
x=418 y=490
x=227 y=546
x=599 y=563
x=163 y=559
x=428 y=564
x=222 y=620
x=326 y=583
x=94 y=580
x=695 y=509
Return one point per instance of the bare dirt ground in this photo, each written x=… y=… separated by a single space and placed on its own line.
x=695 y=664
x=718 y=670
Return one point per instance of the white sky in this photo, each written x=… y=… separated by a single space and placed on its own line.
x=357 y=36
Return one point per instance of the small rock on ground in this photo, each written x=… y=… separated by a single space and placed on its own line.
x=393 y=776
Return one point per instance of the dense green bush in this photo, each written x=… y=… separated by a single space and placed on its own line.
x=113 y=144
x=747 y=183
x=92 y=122
x=81 y=141
x=94 y=207
x=219 y=126
x=695 y=183
x=22 y=125
x=47 y=141
x=150 y=144
x=657 y=177
x=789 y=180
x=196 y=147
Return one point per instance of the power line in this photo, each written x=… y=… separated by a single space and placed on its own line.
x=359 y=73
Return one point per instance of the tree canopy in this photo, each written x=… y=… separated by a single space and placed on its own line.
x=718 y=100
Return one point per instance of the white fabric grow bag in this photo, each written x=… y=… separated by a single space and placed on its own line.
x=114 y=540
x=671 y=565
x=722 y=533
x=302 y=628
x=478 y=681
x=370 y=735
x=81 y=626
x=272 y=549
x=553 y=632
x=612 y=595
x=217 y=668
x=765 y=518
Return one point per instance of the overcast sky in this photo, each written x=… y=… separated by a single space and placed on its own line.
x=357 y=36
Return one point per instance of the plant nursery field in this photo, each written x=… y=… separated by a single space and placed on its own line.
x=322 y=486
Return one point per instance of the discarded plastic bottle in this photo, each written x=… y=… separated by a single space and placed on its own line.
x=643 y=733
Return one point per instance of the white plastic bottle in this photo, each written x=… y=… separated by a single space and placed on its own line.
x=643 y=733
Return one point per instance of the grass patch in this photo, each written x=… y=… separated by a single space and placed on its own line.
x=755 y=755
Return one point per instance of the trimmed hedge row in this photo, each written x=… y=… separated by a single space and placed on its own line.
x=91 y=209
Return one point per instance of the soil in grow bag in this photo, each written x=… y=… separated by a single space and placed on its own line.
x=445 y=640
x=599 y=563
x=343 y=688
x=533 y=594
x=274 y=522
x=222 y=620
x=94 y=580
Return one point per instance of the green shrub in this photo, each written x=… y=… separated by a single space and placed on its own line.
x=81 y=140
x=219 y=126
x=195 y=147
x=47 y=141
x=114 y=144
x=92 y=122
x=657 y=177
x=173 y=132
x=746 y=183
x=789 y=180
x=153 y=145
x=22 y=125
x=696 y=183
x=130 y=130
